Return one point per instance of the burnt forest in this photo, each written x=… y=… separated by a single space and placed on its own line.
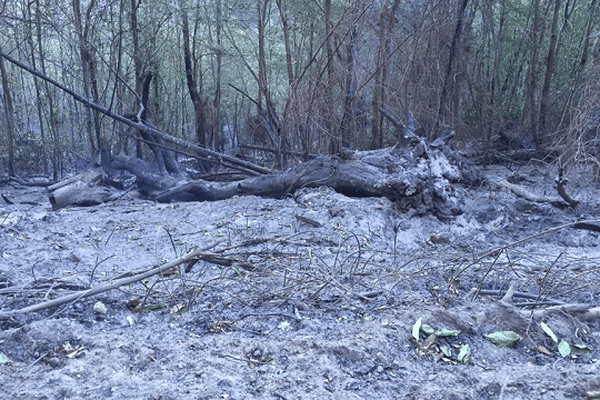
x=276 y=199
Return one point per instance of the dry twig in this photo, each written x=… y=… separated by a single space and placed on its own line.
x=104 y=288
x=578 y=225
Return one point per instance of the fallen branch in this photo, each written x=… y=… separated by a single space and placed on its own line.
x=585 y=312
x=587 y=226
x=195 y=254
x=517 y=294
x=561 y=187
x=591 y=314
x=561 y=183
x=523 y=193
x=577 y=224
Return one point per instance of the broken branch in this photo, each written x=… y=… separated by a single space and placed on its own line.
x=104 y=288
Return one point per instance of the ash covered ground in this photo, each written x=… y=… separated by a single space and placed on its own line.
x=312 y=296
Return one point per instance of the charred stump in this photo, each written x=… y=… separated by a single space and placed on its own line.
x=84 y=189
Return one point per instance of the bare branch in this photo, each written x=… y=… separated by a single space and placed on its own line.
x=201 y=151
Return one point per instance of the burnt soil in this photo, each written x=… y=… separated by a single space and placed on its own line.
x=309 y=297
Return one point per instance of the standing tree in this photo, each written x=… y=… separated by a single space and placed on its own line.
x=9 y=113
x=384 y=31
x=448 y=112
x=550 y=68
x=83 y=30
x=193 y=75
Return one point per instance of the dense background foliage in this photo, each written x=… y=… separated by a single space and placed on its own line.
x=298 y=77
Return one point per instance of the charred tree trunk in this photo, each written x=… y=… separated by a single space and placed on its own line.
x=89 y=69
x=416 y=177
x=550 y=67
x=8 y=109
x=532 y=109
x=217 y=98
x=286 y=42
x=163 y=158
x=386 y=18
x=267 y=114
x=350 y=89
x=445 y=104
x=193 y=76
x=137 y=60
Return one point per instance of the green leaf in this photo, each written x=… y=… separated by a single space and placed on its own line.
x=563 y=348
x=155 y=307
x=427 y=329
x=464 y=355
x=416 y=328
x=445 y=333
x=548 y=332
x=446 y=350
x=581 y=348
x=504 y=338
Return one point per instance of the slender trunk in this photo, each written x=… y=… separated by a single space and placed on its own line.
x=444 y=112
x=532 y=75
x=334 y=141
x=286 y=42
x=194 y=83
x=9 y=112
x=350 y=90
x=137 y=64
x=378 y=88
x=88 y=65
x=36 y=83
x=217 y=98
x=262 y=64
x=596 y=70
x=495 y=45
x=48 y=100
x=52 y=118
x=84 y=65
x=386 y=19
x=550 y=66
x=291 y=91
x=56 y=158
x=596 y=52
x=93 y=71
x=588 y=35
x=267 y=114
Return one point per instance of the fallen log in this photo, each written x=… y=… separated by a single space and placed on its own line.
x=417 y=177
x=412 y=174
x=561 y=183
x=84 y=189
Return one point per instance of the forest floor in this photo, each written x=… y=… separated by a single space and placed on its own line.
x=311 y=297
